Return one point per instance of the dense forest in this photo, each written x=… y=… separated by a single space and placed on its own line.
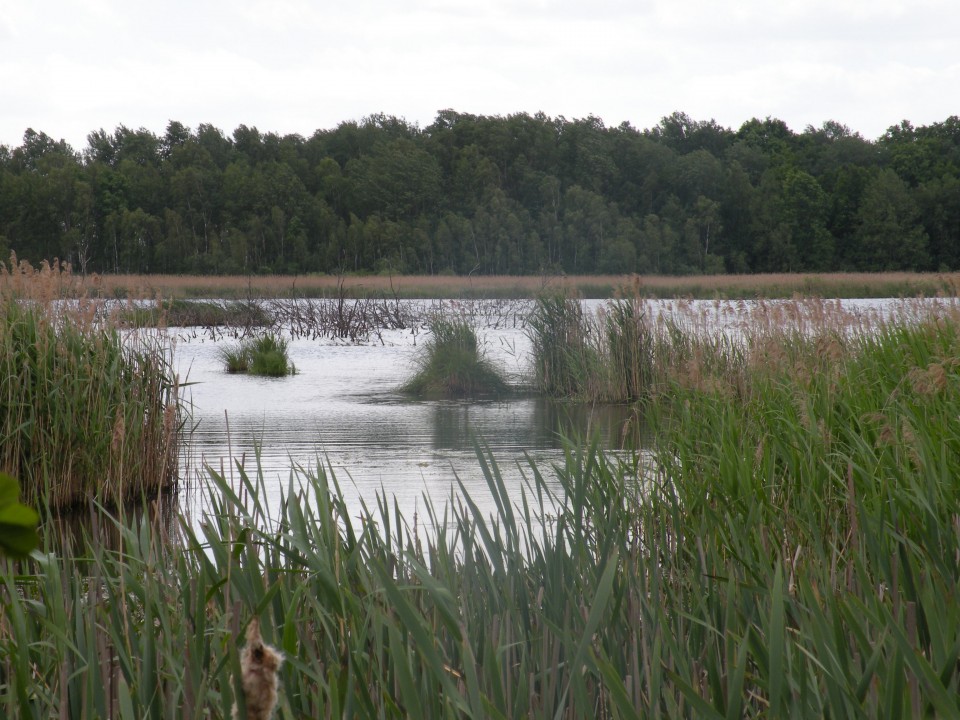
x=519 y=194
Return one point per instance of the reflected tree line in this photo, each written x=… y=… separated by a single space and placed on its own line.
x=489 y=194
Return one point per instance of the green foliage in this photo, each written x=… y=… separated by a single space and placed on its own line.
x=607 y=358
x=18 y=523
x=792 y=553
x=562 y=354
x=825 y=483
x=471 y=194
x=84 y=412
x=629 y=348
x=268 y=356
x=265 y=355
x=452 y=364
x=236 y=359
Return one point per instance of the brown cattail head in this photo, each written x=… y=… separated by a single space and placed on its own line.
x=259 y=664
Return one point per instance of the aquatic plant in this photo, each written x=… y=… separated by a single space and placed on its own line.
x=85 y=412
x=606 y=357
x=452 y=364
x=265 y=355
x=236 y=358
x=793 y=554
x=563 y=355
x=628 y=349
x=269 y=356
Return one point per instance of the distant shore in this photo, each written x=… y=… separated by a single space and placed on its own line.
x=778 y=285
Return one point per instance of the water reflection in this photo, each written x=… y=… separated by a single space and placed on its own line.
x=532 y=423
x=617 y=427
x=71 y=533
x=343 y=411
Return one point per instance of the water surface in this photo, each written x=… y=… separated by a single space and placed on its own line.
x=343 y=410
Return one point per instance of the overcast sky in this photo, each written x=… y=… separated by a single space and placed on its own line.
x=68 y=67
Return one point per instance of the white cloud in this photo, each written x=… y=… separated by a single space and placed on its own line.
x=68 y=68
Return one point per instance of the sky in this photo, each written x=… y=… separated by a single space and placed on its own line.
x=71 y=67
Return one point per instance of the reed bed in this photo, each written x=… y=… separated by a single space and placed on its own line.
x=633 y=349
x=822 y=510
x=243 y=315
x=795 y=552
x=85 y=411
x=731 y=287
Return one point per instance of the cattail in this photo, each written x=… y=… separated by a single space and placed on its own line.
x=259 y=665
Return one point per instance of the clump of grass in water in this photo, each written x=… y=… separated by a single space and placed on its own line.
x=236 y=358
x=268 y=356
x=265 y=355
x=453 y=364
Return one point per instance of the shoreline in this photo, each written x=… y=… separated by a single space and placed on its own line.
x=730 y=287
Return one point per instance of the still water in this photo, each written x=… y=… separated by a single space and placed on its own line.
x=343 y=410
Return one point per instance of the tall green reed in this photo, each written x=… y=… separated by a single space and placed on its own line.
x=605 y=357
x=821 y=512
x=794 y=553
x=84 y=411
x=563 y=355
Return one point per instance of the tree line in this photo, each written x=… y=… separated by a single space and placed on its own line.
x=519 y=194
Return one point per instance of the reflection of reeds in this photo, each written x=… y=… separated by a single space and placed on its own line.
x=85 y=412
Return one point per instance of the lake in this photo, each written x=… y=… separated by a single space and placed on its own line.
x=342 y=409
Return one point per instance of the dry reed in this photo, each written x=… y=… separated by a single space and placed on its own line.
x=86 y=412
x=633 y=348
x=510 y=286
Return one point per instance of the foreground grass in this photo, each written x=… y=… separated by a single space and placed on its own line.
x=795 y=554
